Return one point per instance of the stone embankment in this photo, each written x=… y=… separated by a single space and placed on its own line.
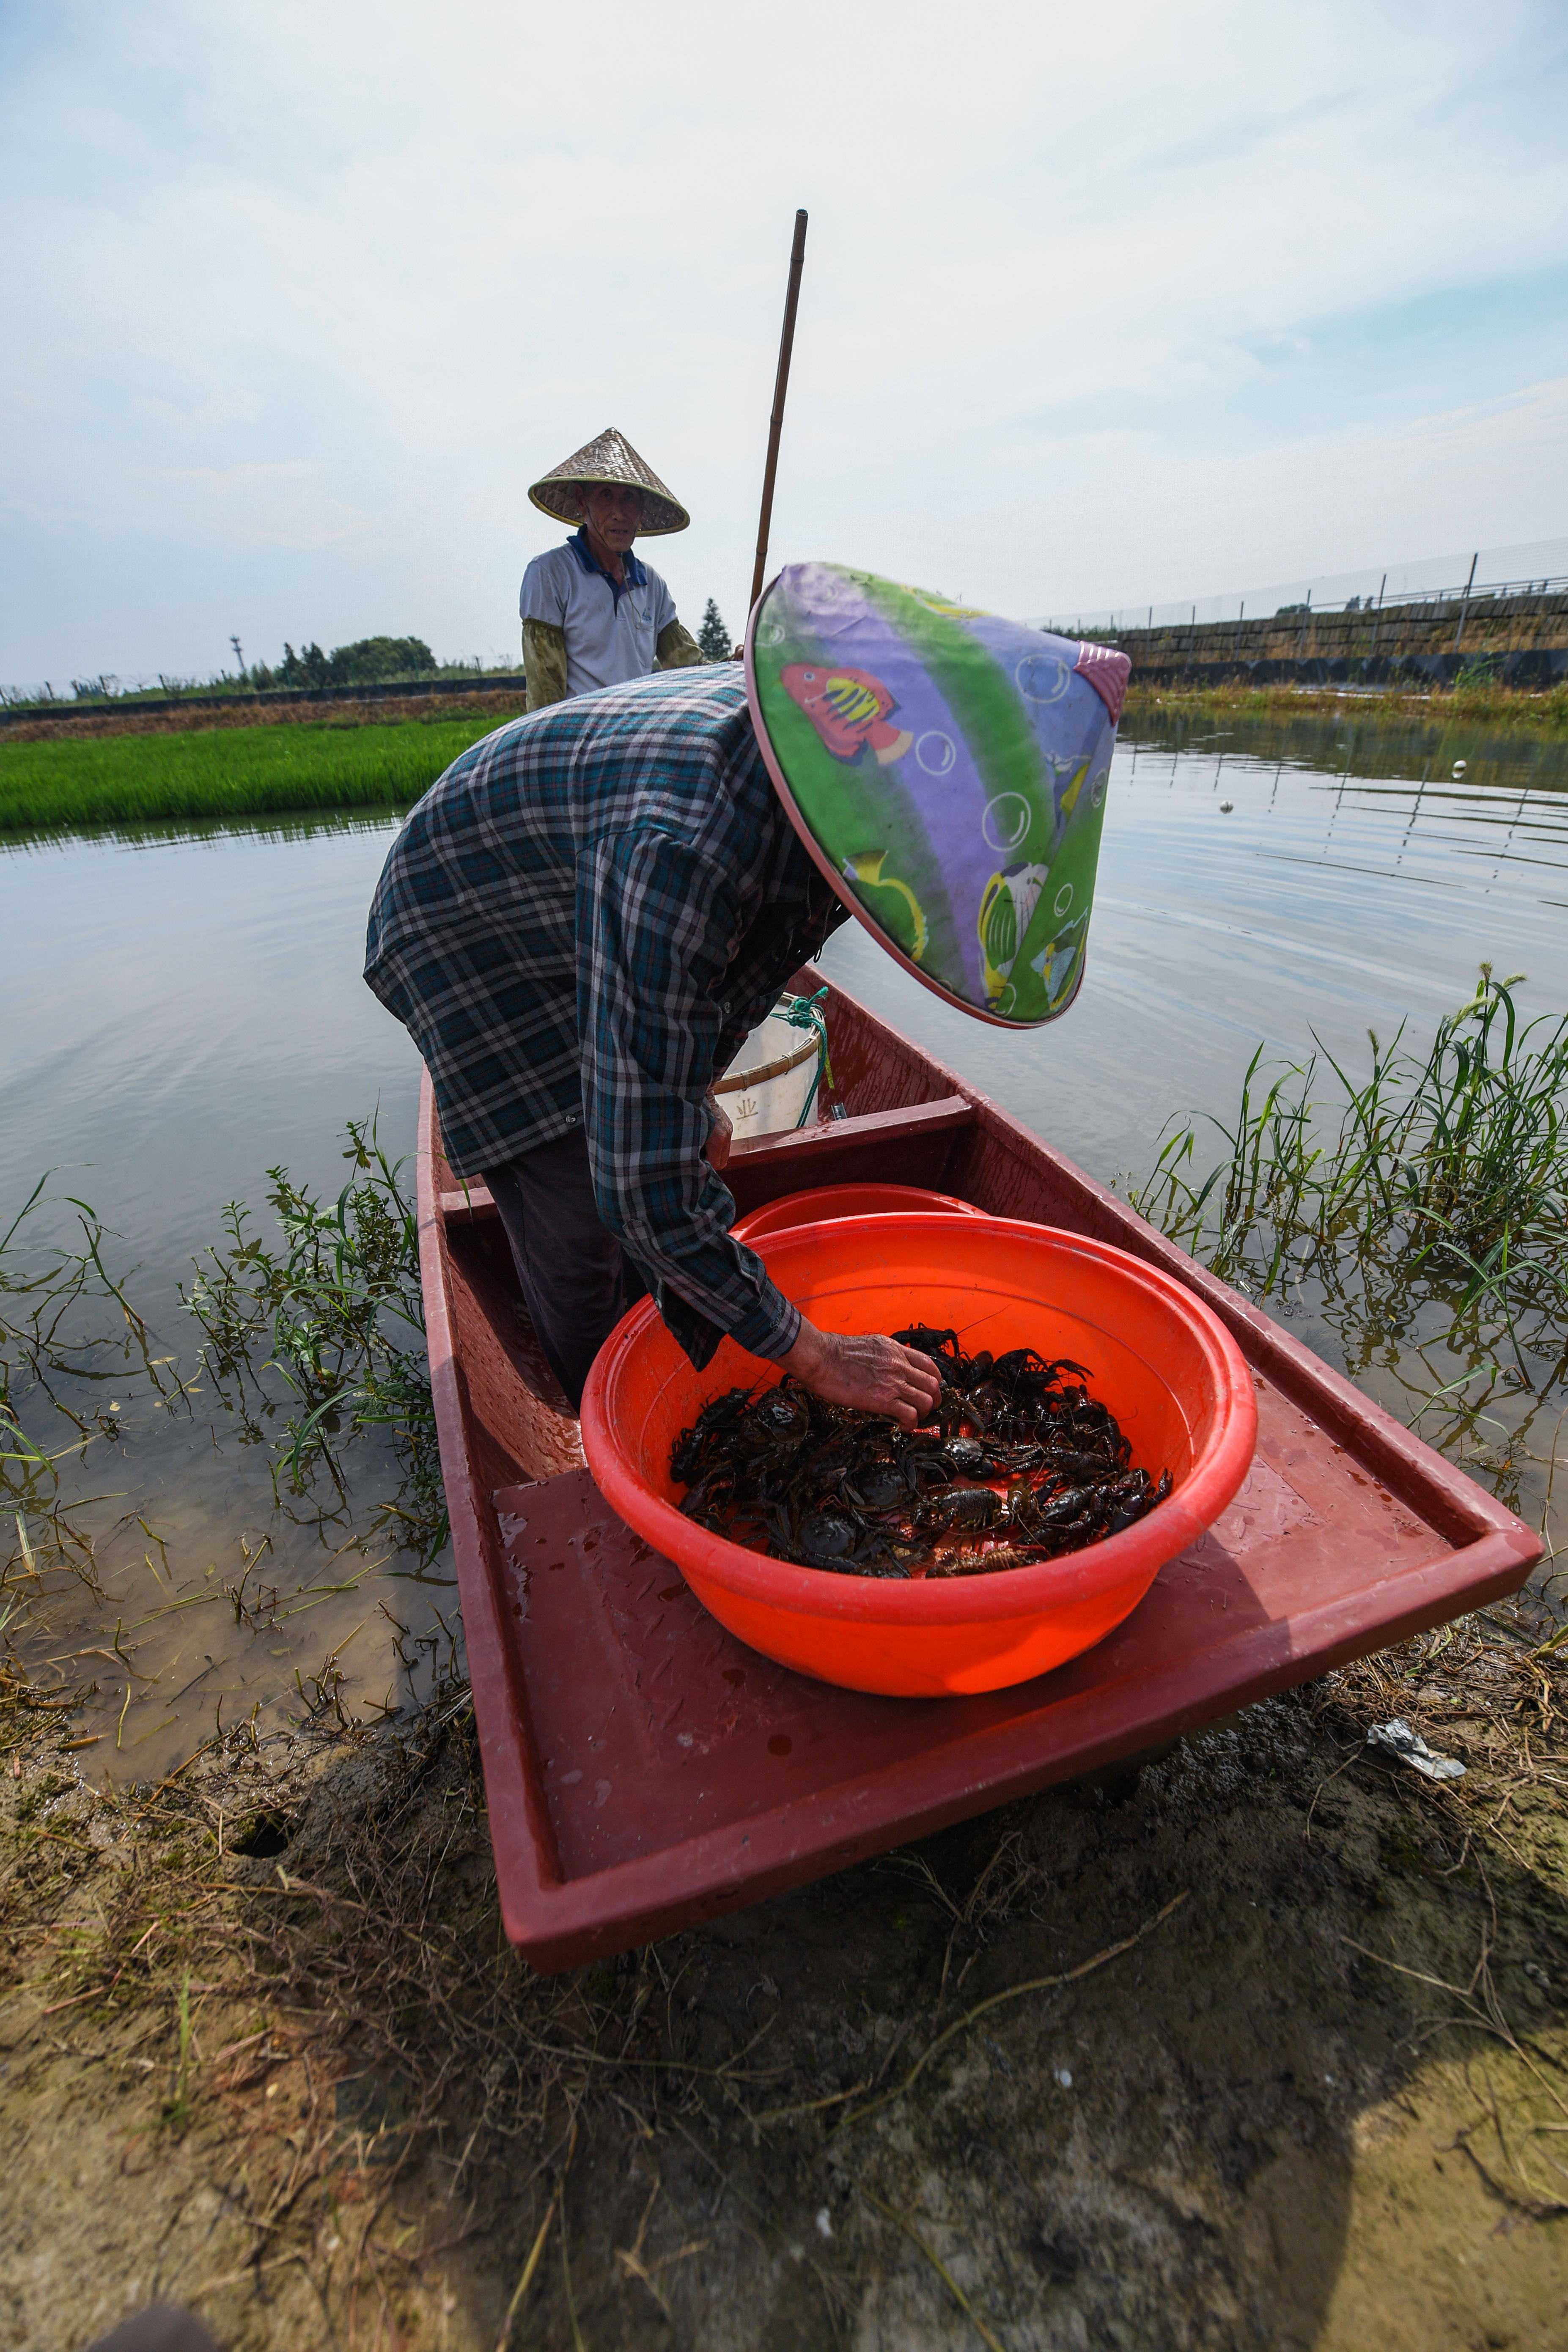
x=1517 y=640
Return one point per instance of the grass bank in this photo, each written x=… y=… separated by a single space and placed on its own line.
x=1543 y=716
x=232 y=771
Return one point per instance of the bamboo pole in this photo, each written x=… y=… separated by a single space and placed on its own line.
x=1464 y=601
x=781 y=385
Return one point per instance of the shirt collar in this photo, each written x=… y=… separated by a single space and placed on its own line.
x=637 y=575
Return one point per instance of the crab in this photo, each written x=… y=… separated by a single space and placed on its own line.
x=831 y=1487
x=829 y=1538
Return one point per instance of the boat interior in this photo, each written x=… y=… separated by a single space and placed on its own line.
x=645 y=1768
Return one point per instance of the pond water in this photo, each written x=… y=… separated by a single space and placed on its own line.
x=191 y=1015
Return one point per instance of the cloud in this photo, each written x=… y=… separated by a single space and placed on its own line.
x=240 y=506
x=345 y=280
x=1145 y=524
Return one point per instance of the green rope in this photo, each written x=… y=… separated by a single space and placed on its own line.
x=807 y=1013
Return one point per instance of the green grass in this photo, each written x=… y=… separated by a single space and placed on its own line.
x=227 y=772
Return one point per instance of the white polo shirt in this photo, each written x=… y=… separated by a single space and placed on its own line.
x=610 y=629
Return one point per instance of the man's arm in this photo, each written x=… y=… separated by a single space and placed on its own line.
x=545 y=660
x=656 y=931
x=674 y=648
x=657 y=926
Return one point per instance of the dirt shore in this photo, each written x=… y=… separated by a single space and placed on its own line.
x=100 y=720
x=1263 y=2045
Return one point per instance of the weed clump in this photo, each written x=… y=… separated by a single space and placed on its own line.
x=311 y=1362
x=338 y=1312
x=1426 y=1204
x=68 y=1332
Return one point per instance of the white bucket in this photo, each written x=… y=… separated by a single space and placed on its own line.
x=768 y=1086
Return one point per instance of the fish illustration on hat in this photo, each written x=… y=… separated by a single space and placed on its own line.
x=850 y=709
x=866 y=867
x=1006 y=909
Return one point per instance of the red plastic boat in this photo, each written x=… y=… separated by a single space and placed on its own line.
x=646 y=1771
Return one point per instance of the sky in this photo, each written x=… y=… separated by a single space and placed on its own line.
x=1100 y=306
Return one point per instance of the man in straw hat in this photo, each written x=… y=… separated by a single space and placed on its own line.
x=583 y=918
x=593 y=614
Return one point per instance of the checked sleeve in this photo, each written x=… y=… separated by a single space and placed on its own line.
x=658 y=929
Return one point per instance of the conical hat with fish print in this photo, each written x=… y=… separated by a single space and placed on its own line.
x=947 y=770
x=608 y=457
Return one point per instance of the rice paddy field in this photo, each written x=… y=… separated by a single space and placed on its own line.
x=1265 y=2043
x=49 y=785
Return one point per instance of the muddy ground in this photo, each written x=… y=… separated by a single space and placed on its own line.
x=1262 y=2046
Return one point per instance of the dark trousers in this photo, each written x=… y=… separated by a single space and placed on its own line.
x=577 y=1281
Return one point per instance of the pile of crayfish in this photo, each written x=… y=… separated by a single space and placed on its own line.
x=829 y=1486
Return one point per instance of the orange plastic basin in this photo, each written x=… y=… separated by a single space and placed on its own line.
x=1163 y=1362
x=831 y=1201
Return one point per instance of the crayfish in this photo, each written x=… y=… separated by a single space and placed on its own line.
x=1018 y=1463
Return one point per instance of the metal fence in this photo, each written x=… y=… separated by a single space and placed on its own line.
x=1537 y=567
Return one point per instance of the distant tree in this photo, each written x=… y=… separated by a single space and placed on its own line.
x=364 y=663
x=373 y=658
x=308 y=667
x=714 y=637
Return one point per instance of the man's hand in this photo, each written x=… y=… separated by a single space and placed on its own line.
x=716 y=1151
x=878 y=1375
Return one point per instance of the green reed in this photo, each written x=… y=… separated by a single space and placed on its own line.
x=222 y=771
x=1429 y=1197
x=68 y=1329
x=336 y=1311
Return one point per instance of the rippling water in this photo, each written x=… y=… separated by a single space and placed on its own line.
x=190 y=1013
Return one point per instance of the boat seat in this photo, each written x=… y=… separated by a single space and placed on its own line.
x=910 y=1145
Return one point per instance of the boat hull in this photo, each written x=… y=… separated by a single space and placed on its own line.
x=646 y=1769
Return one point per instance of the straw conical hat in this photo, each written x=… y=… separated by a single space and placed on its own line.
x=608 y=457
x=947 y=770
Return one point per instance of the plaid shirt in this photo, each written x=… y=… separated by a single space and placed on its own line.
x=579 y=924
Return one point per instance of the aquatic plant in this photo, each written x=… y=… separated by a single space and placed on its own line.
x=309 y=1347
x=67 y=1330
x=337 y=1312
x=1466 y=1150
x=1425 y=1203
x=225 y=771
